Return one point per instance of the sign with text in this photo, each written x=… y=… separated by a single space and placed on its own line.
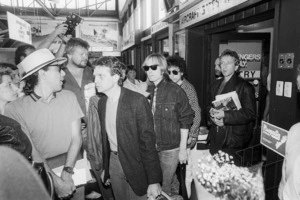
x=159 y=26
x=206 y=9
x=18 y=29
x=273 y=137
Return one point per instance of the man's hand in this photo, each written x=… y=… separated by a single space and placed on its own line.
x=62 y=188
x=217 y=113
x=183 y=156
x=61 y=29
x=219 y=122
x=153 y=191
x=107 y=182
x=67 y=177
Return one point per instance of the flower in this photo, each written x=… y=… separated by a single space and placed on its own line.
x=219 y=176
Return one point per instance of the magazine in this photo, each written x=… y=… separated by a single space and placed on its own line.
x=228 y=101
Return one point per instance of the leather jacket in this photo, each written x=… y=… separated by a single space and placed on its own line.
x=172 y=113
x=92 y=142
x=238 y=124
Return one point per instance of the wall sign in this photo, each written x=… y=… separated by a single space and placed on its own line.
x=273 y=137
x=206 y=9
x=159 y=26
x=101 y=35
x=129 y=41
x=18 y=29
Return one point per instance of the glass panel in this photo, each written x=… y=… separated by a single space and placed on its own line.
x=179 y=46
x=72 y=4
x=111 y=5
x=161 y=10
x=165 y=47
x=81 y=4
x=147 y=8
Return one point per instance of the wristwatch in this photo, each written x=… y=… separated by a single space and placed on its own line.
x=68 y=169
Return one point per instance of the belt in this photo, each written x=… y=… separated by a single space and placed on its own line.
x=115 y=152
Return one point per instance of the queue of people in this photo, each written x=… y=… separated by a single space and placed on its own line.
x=134 y=133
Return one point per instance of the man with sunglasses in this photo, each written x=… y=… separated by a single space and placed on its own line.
x=173 y=117
x=50 y=117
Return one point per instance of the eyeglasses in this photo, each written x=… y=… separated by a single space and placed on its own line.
x=60 y=67
x=173 y=72
x=153 y=67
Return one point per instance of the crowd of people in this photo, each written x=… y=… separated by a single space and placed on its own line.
x=55 y=106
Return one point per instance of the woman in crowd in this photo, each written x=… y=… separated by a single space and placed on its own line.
x=132 y=83
x=11 y=133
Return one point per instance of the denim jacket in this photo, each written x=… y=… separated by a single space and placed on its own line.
x=172 y=113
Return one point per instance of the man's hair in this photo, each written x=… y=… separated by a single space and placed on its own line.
x=4 y=70
x=130 y=68
x=32 y=80
x=113 y=63
x=160 y=59
x=21 y=52
x=177 y=61
x=76 y=42
x=233 y=54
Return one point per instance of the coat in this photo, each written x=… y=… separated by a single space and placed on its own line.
x=238 y=124
x=136 y=141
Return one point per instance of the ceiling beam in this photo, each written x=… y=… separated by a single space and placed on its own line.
x=45 y=8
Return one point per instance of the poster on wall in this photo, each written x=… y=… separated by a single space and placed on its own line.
x=250 y=53
x=40 y=29
x=102 y=36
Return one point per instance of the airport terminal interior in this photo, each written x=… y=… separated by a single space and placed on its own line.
x=217 y=76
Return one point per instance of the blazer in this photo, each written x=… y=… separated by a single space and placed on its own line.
x=136 y=141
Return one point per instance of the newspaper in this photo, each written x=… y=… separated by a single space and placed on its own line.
x=228 y=101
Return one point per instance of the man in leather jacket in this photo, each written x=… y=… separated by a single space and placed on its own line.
x=232 y=129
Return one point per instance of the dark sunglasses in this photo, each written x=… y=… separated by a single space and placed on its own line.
x=173 y=72
x=153 y=67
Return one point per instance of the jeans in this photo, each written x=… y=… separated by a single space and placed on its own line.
x=120 y=185
x=168 y=163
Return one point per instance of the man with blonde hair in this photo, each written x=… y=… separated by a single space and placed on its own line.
x=173 y=117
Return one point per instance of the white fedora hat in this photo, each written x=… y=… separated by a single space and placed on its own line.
x=37 y=60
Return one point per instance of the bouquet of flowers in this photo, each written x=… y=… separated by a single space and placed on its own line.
x=219 y=176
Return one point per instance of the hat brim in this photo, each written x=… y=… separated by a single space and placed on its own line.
x=58 y=60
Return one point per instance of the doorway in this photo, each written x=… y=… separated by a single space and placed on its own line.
x=254 y=51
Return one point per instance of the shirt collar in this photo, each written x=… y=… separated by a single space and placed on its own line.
x=36 y=97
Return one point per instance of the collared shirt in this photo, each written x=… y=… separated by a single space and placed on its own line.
x=72 y=85
x=111 y=123
x=49 y=124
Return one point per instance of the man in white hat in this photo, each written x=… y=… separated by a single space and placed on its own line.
x=50 y=116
